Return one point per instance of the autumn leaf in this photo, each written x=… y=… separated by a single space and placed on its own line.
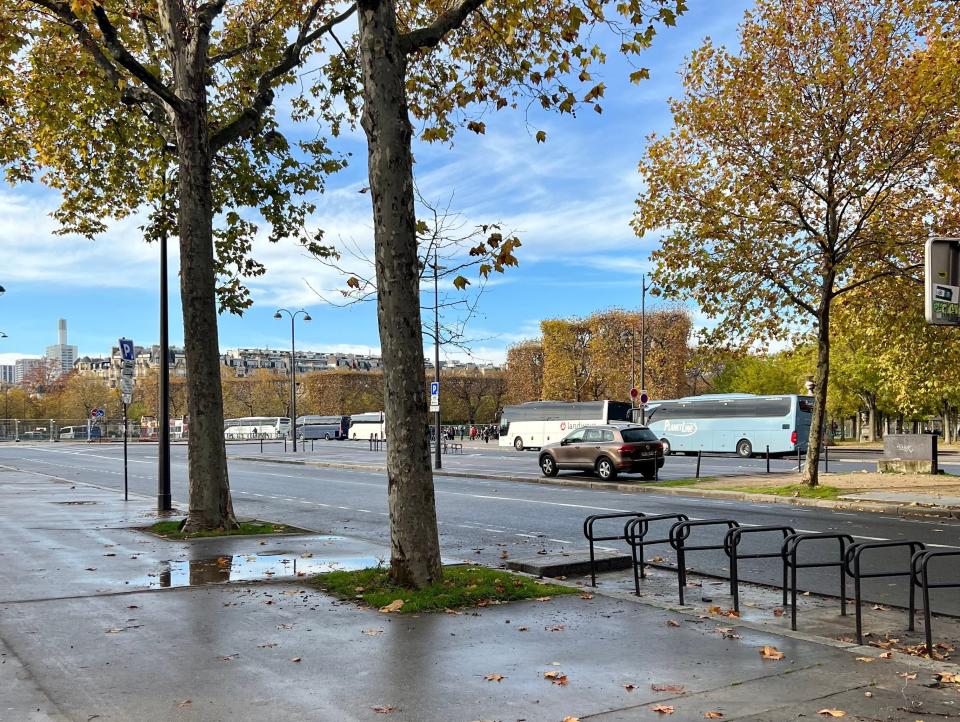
x=383 y=709
x=771 y=653
x=556 y=677
x=393 y=606
x=494 y=677
x=554 y=628
x=713 y=714
x=541 y=136
x=297 y=659
x=584 y=595
x=948 y=678
x=372 y=632
x=267 y=645
x=630 y=687
x=673 y=623
x=866 y=659
x=662 y=709
x=832 y=713
x=778 y=612
x=675 y=688
x=886 y=655
x=184 y=703
x=571 y=719
x=543 y=599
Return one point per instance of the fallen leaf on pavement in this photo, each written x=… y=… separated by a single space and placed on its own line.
x=832 y=713
x=494 y=677
x=948 y=678
x=629 y=687
x=728 y=633
x=504 y=554
x=383 y=709
x=227 y=657
x=584 y=595
x=556 y=677
x=662 y=709
x=523 y=629
x=267 y=645
x=673 y=623
x=886 y=655
x=184 y=703
x=677 y=688
x=778 y=612
x=714 y=610
x=866 y=659
x=296 y=659
x=543 y=599
x=879 y=608
x=372 y=632
x=908 y=675
x=713 y=714
x=771 y=653
x=571 y=719
x=393 y=606
x=554 y=628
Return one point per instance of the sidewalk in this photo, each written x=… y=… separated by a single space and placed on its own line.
x=88 y=631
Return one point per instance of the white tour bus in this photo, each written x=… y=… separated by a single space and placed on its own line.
x=535 y=423
x=363 y=426
x=256 y=427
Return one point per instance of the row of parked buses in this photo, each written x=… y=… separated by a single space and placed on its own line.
x=358 y=426
x=744 y=424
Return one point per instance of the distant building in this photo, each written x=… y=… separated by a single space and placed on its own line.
x=245 y=360
x=145 y=361
x=61 y=356
x=23 y=366
x=8 y=374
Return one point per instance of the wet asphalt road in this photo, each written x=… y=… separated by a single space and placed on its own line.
x=480 y=519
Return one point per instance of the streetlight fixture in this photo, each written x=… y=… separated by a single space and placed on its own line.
x=293 y=366
x=3 y=335
x=437 y=460
x=2 y=290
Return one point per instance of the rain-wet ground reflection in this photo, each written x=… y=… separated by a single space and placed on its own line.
x=247 y=568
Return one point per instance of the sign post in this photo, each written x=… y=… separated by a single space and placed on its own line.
x=127 y=356
x=643 y=406
x=942 y=281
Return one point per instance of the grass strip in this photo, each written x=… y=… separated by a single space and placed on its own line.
x=795 y=490
x=173 y=530
x=683 y=482
x=462 y=586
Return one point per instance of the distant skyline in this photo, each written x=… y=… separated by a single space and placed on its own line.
x=569 y=200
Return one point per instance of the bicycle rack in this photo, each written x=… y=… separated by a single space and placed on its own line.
x=921 y=577
x=588 y=533
x=639 y=541
x=852 y=566
x=730 y=544
x=680 y=532
x=789 y=553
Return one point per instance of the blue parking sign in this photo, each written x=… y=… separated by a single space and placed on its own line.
x=126 y=349
x=434 y=388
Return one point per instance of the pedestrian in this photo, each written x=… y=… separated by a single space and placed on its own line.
x=473 y=433
x=486 y=435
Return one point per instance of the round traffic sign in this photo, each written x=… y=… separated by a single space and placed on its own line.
x=644 y=398
x=634 y=392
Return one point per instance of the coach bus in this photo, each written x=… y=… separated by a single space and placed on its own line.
x=363 y=426
x=256 y=427
x=323 y=427
x=744 y=424
x=535 y=423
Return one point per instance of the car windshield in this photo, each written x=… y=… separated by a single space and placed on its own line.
x=638 y=434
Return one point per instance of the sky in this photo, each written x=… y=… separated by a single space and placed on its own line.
x=569 y=200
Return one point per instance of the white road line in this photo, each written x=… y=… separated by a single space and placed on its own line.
x=365 y=511
x=561 y=541
x=495 y=531
x=528 y=536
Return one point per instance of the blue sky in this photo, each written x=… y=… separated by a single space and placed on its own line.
x=569 y=200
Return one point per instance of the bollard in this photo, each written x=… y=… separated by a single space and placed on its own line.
x=311 y=444
x=798 y=459
x=284 y=444
x=826 y=459
x=699 y=454
x=768 y=458
x=261 y=446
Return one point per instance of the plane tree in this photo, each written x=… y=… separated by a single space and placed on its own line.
x=800 y=168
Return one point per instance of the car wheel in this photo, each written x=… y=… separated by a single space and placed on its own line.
x=518 y=444
x=326 y=437
x=744 y=449
x=649 y=472
x=666 y=447
x=605 y=469
x=548 y=465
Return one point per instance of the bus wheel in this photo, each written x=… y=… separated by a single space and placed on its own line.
x=744 y=449
x=326 y=437
x=666 y=447
x=518 y=444
x=605 y=469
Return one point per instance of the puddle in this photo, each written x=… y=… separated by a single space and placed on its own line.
x=246 y=568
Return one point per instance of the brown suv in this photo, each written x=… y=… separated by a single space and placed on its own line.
x=605 y=450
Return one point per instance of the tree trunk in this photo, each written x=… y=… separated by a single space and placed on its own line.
x=812 y=470
x=210 y=503
x=414 y=542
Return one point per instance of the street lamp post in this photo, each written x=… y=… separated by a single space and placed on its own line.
x=164 y=495
x=643 y=344
x=437 y=461
x=293 y=367
x=631 y=334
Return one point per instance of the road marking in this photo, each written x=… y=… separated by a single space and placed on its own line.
x=561 y=541
x=528 y=536
x=495 y=531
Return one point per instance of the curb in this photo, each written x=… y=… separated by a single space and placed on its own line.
x=879 y=507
